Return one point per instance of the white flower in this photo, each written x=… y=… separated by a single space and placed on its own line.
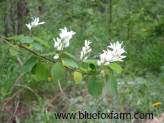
x=56 y=56
x=117 y=51
x=66 y=35
x=105 y=57
x=86 y=49
x=35 y=22
x=58 y=44
x=29 y=26
x=63 y=40
x=112 y=54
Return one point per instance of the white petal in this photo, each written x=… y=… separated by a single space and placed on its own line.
x=41 y=23
x=56 y=56
x=28 y=26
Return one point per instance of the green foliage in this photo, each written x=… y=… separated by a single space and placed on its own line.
x=13 y=51
x=69 y=63
x=115 y=67
x=29 y=64
x=95 y=86
x=91 y=65
x=40 y=72
x=58 y=72
x=77 y=77
x=140 y=24
x=113 y=85
x=22 y=39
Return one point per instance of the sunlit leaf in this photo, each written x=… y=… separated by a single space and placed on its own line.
x=77 y=77
x=69 y=63
x=115 y=67
x=40 y=72
x=91 y=61
x=83 y=69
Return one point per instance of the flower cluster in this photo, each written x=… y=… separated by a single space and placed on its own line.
x=113 y=53
x=35 y=22
x=63 y=40
x=86 y=49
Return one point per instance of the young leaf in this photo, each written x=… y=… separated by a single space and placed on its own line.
x=115 y=67
x=40 y=72
x=69 y=63
x=29 y=64
x=77 y=77
x=58 y=72
x=95 y=86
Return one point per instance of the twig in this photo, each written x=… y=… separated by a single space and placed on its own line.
x=61 y=90
x=19 y=61
x=27 y=49
x=56 y=96
x=14 y=113
x=31 y=51
x=16 y=108
x=28 y=88
x=36 y=54
x=7 y=100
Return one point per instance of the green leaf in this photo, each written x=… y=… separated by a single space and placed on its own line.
x=91 y=65
x=91 y=61
x=40 y=72
x=115 y=67
x=29 y=64
x=16 y=38
x=84 y=70
x=69 y=55
x=22 y=39
x=95 y=86
x=69 y=63
x=13 y=51
x=58 y=72
x=37 y=46
x=42 y=42
x=112 y=84
x=26 y=39
x=77 y=77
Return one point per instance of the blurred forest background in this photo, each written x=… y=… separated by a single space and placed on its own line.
x=138 y=23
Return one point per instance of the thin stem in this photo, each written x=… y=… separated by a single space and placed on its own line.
x=28 y=88
x=27 y=49
x=6 y=40
x=61 y=90
x=36 y=54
